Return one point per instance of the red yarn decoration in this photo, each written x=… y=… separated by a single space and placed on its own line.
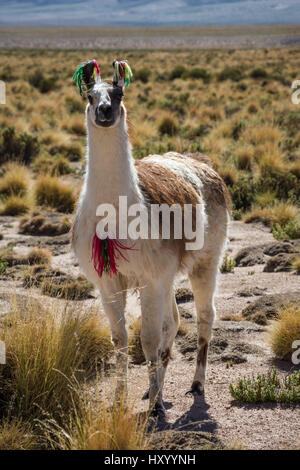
x=105 y=253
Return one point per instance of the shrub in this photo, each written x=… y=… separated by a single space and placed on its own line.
x=267 y=388
x=197 y=73
x=3 y=265
x=243 y=193
x=289 y=231
x=168 y=125
x=15 y=181
x=15 y=205
x=280 y=214
x=177 y=72
x=228 y=264
x=50 y=191
x=142 y=75
x=43 y=84
x=296 y=264
x=230 y=73
x=284 y=331
x=258 y=73
x=22 y=148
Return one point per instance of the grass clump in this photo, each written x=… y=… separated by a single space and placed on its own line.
x=46 y=355
x=281 y=214
x=177 y=72
x=15 y=181
x=14 y=205
x=70 y=289
x=228 y=264
x=284 y=331
x=38 y=225
x=50 y=191
x=267 y=388
x=134 y=343
x=54 y=166
x=15 y=435
x=39 y=256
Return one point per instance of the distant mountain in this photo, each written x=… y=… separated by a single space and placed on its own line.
x=147 y=12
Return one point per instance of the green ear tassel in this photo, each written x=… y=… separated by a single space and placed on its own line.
x=77 y=77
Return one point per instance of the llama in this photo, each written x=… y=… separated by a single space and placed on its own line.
x=153 y=264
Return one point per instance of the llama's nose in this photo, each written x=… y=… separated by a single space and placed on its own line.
x=104 y=111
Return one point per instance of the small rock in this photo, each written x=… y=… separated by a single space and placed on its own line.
x=267 y=306
x=183 y=295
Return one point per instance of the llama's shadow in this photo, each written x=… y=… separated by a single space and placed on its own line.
x=195 y=419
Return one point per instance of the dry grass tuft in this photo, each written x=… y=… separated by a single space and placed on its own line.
x=50 y=191
x=46 y=355
x=284 y=331
x=39 y=256
x=15 y=435
x=15 y=205
x=134 y=343
x=15 y=181
x=281 y=213
x=99 y=427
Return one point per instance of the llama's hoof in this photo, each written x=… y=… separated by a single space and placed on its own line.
x=196 y=389
x=158 y=411
x=146 y=395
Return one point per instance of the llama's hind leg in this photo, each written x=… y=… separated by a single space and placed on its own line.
x=113 y=293
x=203 y=283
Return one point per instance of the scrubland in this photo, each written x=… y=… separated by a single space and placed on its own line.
x=233 y=105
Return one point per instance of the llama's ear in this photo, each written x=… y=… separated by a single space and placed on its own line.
x=122 y=73
x=86 y=75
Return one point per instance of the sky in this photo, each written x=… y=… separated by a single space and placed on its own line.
x=147 y=12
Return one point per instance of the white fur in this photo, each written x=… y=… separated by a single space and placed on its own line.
x=153 y=265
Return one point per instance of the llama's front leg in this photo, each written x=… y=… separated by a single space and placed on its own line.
x=151 y=337
x=203 y=288
x=114 y=299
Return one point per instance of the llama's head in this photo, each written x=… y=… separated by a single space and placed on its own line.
x=105 y=106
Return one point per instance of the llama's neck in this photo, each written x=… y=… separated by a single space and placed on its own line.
x=110 y=169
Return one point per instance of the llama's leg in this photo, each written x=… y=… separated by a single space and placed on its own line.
x=114 y=299
x=203 y=285
x=152 y=304
x=169 y=331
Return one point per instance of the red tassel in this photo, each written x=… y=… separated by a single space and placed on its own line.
x=105 y=253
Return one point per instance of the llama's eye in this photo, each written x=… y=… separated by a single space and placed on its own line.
x=90 y=98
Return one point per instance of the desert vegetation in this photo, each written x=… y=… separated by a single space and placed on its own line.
x=234 y=106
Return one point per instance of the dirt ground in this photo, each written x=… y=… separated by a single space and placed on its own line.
x=244 y=350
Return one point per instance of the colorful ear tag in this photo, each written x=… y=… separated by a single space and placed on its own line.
x=86 y=82
x=122 y=73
